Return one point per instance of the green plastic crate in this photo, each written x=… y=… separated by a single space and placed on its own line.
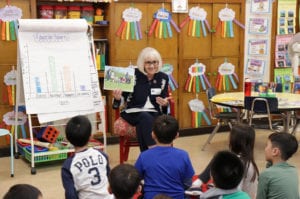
x=44 y=157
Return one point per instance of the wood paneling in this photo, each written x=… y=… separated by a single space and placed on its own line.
x=211 y=50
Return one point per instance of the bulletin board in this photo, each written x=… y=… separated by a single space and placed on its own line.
x=57 y=69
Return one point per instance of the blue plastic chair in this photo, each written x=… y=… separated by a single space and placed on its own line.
x=4 y=132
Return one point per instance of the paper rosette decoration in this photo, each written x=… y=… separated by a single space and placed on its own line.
x=225 y=24
x=226 y=76
x=168 y=69
x=9 y=120
x=130 y=26
x=198 y=112
x=197 y=22
x=8 y=18
x=161 y=24
x=10 y=80
x=197 y=78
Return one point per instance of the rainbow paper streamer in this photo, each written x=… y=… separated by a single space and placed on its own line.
x=227 y=77
x=161 y=25
x=197 y=22
x=196 y=79
x=168 y=69
x=224 y=81
x=197 y=119
x=195 y=27
x=130 y=30
x=11 y=94
x=225 y=24
x=225 y=29
x=8 y=32
x=130 y=27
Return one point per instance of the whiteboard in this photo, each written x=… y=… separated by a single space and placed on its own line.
x=59 y=77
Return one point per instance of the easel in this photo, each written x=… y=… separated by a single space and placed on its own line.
x=19 y=101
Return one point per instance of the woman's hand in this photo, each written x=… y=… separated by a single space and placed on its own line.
x=117 y=94
x=162 y=101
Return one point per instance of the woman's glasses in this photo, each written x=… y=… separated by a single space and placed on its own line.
x=151 y=62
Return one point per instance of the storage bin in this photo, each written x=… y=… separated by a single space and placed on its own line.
x=45 y=156
x=60 y=12
x=87 y=13
x=46 y=12
x=74 y=12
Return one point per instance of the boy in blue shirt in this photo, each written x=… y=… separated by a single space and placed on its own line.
x=165 y=169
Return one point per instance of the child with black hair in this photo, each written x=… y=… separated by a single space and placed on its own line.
x=227 y=171
x=280 y=180
x=85 y=174
x=241 y=142
x=124 y=181
x=165 y=169
x=24 y=191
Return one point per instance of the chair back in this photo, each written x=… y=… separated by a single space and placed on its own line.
x=210 y=92
x=261 y=105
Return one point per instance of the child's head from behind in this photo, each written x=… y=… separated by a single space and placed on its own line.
x=242 y=139
x=78 y=130
x=165 y=129
x=282 y=145
x=24 y=191
x=124 y=181
x=227 y=170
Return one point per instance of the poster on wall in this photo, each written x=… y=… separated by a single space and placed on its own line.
x=257 y=47
x=255 y=67
x=260 y=6
x=281 y=51
x=258 y=25
x=286 y=17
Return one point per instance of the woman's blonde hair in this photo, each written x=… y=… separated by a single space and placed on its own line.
x=148 y=53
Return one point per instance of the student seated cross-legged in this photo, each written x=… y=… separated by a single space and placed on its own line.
x=165 y=169
x=227 y=171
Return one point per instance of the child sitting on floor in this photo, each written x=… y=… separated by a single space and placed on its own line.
x=227 y=171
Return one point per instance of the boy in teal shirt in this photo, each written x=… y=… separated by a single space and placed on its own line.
x=280 y=180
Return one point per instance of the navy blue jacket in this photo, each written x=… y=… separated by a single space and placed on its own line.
x=157 y=87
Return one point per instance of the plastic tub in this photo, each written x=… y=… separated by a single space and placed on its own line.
x=74 y=12
x=46 y=12
x=60 y=12
x=87 y=13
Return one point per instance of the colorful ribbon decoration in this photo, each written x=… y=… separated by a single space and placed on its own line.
x=8 y=32
x=10 y=80
x=196 y=78
x=226 y=75
x=8 y=18
x=161 y=24
x=197 y=22
x=168 y=69
x=198 y=112
x=130 y=26
x=225 y=25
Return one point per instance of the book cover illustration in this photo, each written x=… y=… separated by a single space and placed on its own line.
x=119 y=78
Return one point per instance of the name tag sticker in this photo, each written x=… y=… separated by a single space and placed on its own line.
x=155 y=91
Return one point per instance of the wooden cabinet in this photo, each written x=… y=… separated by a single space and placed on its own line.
x=182 y=50
x=123 y=52
x=211 y=50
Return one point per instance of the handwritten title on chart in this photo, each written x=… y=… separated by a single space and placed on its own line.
x=51 y=37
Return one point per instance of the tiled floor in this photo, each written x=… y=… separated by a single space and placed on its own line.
x=48 y=178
